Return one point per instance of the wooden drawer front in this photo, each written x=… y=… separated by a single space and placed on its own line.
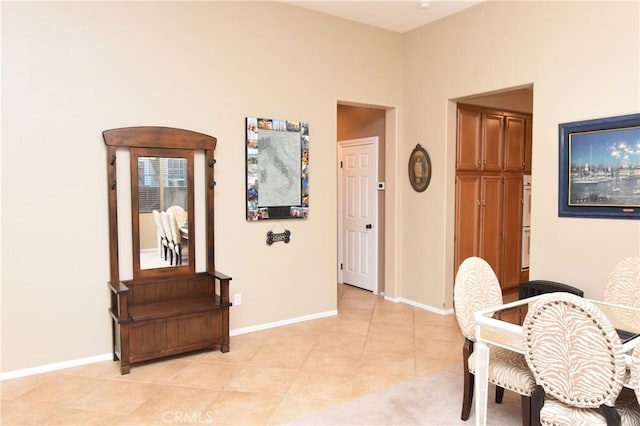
x=199 y=328
x=148 y=338
x=173 y=335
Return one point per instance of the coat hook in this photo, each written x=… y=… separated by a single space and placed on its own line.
x=212 y=162
x=113 y=185
x=212 y=184
x=113 y=160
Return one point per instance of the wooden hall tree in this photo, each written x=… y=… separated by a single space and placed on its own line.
x=165 y=308
x=492 y=155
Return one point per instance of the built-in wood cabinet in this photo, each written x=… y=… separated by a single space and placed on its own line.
x=511 y=230
x=478 y=218
x=492 y=154
x=514 y=144
x=528 y=146
x=480 y=141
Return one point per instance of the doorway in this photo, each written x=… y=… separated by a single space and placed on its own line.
x=494 y=132
x=358 y=123
x=358 y=207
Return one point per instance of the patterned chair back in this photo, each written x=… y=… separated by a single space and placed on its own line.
x=476 y=288
x=635 y=372
x=623 y=286
x=573 y=351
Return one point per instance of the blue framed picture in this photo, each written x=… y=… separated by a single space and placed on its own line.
x=600 y=168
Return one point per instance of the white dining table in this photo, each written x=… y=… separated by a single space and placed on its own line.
x=491 y=329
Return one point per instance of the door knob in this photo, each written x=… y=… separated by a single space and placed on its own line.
x=369 y=226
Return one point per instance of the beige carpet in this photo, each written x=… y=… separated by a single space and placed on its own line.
x=434 y=399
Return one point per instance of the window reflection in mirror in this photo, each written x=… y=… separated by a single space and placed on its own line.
x=163 y=209
x=162 y=187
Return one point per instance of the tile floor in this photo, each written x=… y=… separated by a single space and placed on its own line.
x=269 y=377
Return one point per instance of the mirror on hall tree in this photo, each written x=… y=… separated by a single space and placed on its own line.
x=162 y=200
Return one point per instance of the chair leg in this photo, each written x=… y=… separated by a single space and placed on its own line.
x=525 y=408
x=469 y=380
x=467 y=398
x=499 y=394
x=610 y=414
x=536 y=402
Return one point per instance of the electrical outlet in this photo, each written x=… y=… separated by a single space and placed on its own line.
x=237 y=299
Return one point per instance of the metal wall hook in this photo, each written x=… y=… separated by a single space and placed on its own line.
x=212 y=184
x=212 y=162
x=113 y=160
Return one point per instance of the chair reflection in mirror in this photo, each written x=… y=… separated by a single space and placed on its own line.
x=180 y=214
x=180 y=246
x=166 y=225
x=164 y=241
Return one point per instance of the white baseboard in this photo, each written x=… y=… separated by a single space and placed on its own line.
x=55 y=366
x=107 y=357
x=420 y=305
x=289 y=321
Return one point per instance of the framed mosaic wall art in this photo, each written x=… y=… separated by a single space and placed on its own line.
x=277 y=154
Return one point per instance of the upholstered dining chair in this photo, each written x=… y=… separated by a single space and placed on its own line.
x=164 y=241
x=623 y=286
x=628 y=403
x=634 y=380
x=577 y=359
x=476 y=288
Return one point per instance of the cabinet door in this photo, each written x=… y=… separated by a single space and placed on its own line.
x=467 y=218
x=514 y=144
x=512 y=231
x=492 y=142
x=491 y=222
x=468 y=146
x=528 y=145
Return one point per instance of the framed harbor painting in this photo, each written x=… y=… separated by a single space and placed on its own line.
x=277 y=153
x=600 y=168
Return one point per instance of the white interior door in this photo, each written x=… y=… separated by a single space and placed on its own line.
x=359 y=210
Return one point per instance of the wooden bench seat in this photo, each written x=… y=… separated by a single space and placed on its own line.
x=167 y=316
x=170 y=308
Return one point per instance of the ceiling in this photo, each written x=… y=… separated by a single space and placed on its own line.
x=398 y=15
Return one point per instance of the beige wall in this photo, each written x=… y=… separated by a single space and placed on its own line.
x=72 y=70
x=582 y=59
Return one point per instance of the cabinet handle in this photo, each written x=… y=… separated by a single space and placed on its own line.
x=478 y=201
